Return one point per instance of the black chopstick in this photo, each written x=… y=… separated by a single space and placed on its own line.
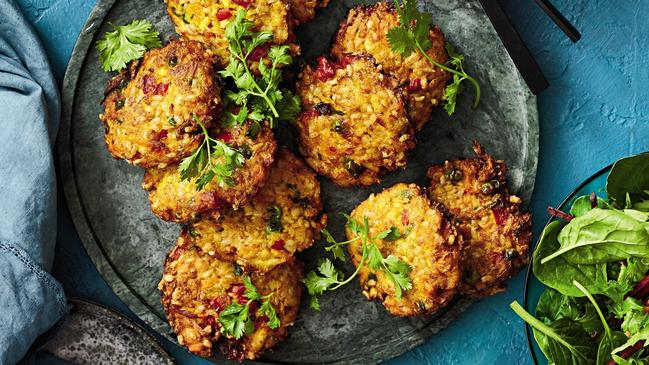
x=559 y=20
x=517 y=50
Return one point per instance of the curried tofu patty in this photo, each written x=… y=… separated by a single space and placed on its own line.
x=177 y=200
x=304 y=10
x=282 y=219
x=149 y=109
x=354 y=123
x=205 y=21
x=195 y=288
x=496 y=231
x=365 y=31
x=429 y=244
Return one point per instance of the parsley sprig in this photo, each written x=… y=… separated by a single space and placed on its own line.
x=259 y=96
x=412 y=35
x=213 y=159
x=126 y=43
x=329 y=278
x=235 y=318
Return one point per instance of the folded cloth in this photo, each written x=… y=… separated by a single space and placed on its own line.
x=31 y=301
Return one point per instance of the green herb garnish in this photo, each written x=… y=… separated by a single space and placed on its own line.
x=235 y=318
x=412 y=35
x=275 y=221
x=259 y=96
x=213 y=159
x=328 y=278
x=126 y=43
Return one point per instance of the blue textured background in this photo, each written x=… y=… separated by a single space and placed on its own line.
x=595 y=111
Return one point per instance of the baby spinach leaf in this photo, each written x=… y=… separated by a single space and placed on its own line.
x=606 y=346
x=583 y=205
x=629 y=176
x=601 y=236
x=553 y=306
x=559 y=272
x=562 y=342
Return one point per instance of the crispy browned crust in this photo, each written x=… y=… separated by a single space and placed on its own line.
x=197 y=20
x=304 y=10
x=365 y=32
x=374 y=131
x=196 y=287
x=497 y=232
x=177 y=200
x=176 y=81
x=430 y=245
x=242 y=236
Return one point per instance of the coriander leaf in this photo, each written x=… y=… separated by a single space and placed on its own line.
x=260 y=90
x=317 y=284
x=314 y=303
x=401 y=41
x=267 y=309
x=235 y=320
x=374 y=257
x=398 y=271
x=335 y=248
x=391 y=234
x=126 y=43
x=412 y=35
x=213 y=159
x=289 y=107
x=279 y=55
x=251 y=291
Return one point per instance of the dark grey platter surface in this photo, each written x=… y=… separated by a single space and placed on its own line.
x=94 y=334
x=128 y=244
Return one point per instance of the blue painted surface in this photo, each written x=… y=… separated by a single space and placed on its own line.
x=595 y=112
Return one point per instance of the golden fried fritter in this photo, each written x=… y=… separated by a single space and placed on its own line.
x=304 y=10
x=195 y=288
x=429 y=244
x=205 y=21
x=283 y=218
x=365 y=32
x=354 y=122
x=177 y=200
x=497 y=233
x=149 y=111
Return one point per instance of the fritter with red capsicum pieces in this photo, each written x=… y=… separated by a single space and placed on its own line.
x=282 y=219
x=365 y=31
x=422 y=237
x=177 y=200
x=207 y=302
x=496 y=231
x=205 y=21
x=151 y=108
x=354 y=124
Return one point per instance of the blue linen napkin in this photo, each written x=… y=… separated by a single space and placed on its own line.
x=31 y=301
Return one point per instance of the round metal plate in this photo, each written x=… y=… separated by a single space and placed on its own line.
x=128 y=244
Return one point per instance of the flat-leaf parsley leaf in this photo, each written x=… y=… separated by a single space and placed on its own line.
x=235 y=319
x=412 y=35
x=328 y=278
x=214 y=159
x=126 y=43
x=259 y=96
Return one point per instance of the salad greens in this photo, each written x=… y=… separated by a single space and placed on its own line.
x=594 y=262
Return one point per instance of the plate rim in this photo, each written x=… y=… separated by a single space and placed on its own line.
x=529 y=272
x=65 y=165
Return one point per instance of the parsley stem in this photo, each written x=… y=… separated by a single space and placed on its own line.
x=263 y=94
x=353 y=275
x=462 y=74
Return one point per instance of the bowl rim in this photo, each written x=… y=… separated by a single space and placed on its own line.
x=528 y=274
